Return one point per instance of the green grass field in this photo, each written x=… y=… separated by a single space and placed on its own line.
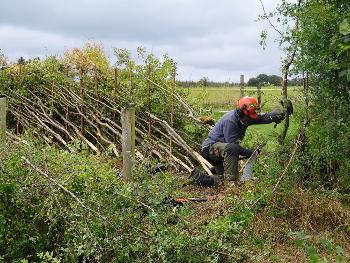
x=225 y=98
x=214 y=102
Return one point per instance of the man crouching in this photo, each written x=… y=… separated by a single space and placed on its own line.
x=222 y=147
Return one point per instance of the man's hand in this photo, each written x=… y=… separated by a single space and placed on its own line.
x=259 y=147
x=287 y=106
x=216 y=152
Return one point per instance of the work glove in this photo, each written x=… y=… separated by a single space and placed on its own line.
x=287 y=106
x=260 y=146
x=277 y=115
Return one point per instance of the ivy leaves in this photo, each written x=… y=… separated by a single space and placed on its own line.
x=344 y=27
x=344 y=45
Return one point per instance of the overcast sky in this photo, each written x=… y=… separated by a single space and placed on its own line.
x=215 y=39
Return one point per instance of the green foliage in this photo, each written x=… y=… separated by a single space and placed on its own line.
x=268 y=80
x=319 y=33
x=148 y=84
x=80 y=68
x=344 y=27
x=115 y=221
x=47 y=257
x=304 y=242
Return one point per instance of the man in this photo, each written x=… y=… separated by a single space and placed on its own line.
x=222 y=147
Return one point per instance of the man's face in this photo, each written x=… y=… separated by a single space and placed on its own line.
x=245 y=119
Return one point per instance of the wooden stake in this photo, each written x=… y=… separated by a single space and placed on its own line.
x=17 y=128
x=82 y=94
x=67 y=117
x=258 y=88
x=52 y=95
x=3 y=110
x=97 y=84
x=116 y=83
x=149 y=73
x=97 y=94
x=242 y=85
x=66 y=74
x=116 y=86
x=172 y=106
x=128 y=139
x=131 y=82
x=306 y=93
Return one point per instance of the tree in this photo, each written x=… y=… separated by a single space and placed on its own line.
x=204 y=81
x=21 y=61
x=315 y=35
x=253 y=82
x=263 y=80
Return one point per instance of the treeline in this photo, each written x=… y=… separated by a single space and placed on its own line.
x=274 y=80
x=205 y=82
x=260 y=80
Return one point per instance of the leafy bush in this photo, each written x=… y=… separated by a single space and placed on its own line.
x=97 y=217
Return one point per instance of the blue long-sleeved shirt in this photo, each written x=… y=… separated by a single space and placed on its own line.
x=230 y=128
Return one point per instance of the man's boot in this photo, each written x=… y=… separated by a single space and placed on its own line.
x=203 y=179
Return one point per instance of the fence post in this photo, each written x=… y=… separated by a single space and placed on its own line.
x=128 y=139
x=258 y=87
x=3 y=109
x=242 y=85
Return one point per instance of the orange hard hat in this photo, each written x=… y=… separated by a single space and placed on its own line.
x=249 y=106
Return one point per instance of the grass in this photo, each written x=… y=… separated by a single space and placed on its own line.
x=225 y=98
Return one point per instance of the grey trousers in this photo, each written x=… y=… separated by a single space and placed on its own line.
x=225 y=156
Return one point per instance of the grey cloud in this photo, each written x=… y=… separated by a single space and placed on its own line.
x=217 y=39
x=134 y=19
x=16 y=42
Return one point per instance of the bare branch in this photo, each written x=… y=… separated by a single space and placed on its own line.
x=268 y=19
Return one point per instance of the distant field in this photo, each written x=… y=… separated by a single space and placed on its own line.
x=214 y=102
x=225 y=98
